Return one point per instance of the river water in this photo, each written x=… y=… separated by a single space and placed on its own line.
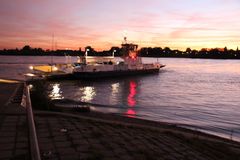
x=201 y=94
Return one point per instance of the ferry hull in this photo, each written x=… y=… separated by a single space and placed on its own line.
x=112 y=74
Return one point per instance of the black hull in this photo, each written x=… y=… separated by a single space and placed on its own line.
x=60 y=77
x=112 y=74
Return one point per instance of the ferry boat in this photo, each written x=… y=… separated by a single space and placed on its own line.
x=90 y=67
x=95 y=67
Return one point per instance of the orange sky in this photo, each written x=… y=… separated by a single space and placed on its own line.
x=177 y=24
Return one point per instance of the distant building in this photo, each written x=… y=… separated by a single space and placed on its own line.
x=209 y=49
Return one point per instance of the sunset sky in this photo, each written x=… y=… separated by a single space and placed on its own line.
x=177 y=24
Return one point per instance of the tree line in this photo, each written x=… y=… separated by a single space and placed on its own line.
x=215 y=53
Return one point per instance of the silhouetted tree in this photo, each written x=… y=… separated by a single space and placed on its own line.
x=167 y=50
x=188 y=50
x=26 y=48
x=91 y=51
x=225 y=49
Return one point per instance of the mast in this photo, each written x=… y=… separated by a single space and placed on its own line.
x=52 y=51
x=53 y=42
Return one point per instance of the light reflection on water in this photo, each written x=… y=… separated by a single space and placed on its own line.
x=132 y=93
x=115 y=88
x=131 y=99
x=88 y=94
x=55 y=92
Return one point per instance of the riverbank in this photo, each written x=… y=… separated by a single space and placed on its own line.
x=74 y=135
x=104 y=136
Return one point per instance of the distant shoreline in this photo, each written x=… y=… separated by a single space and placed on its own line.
x=191 y=57
x=158 y=52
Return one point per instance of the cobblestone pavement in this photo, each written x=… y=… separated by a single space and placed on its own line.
x=76 y=138
x=14 y=142
x=14 y=137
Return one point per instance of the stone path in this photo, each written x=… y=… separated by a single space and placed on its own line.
x=14 y=137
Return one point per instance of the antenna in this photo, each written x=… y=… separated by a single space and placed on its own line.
x=124 y=36
x=125 y=40
x=52 y=41
x=52 y=51
x=56 y=45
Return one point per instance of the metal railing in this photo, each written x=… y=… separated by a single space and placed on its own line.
x=34 y=148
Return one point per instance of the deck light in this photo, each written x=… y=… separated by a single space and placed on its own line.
x=54 y=68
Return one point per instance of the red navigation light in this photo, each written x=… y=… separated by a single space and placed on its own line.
x=132 y=57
